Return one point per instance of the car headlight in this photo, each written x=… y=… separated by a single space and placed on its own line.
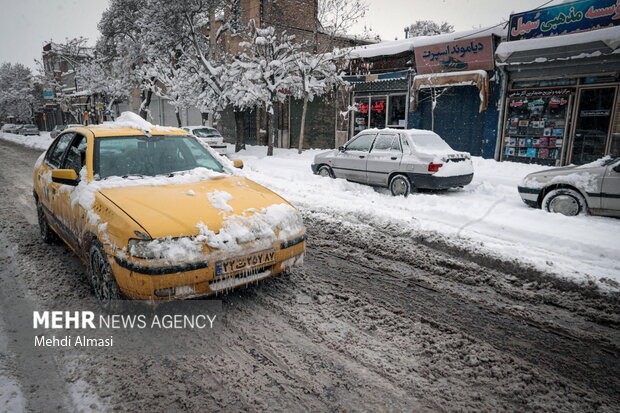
x=141 y=248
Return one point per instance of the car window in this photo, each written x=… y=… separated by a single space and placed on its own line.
x=158 y=155
x=405 y=144
x=386 y=143
x=206 y=133
x=76 y=155
x=361 y=143
x=55 y=154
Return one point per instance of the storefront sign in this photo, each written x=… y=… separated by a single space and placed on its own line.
x=470 y=54
x=576 y=16
x=540 y=92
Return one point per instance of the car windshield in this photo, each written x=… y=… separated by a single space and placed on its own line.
x=149 y=156
x=206 y=133
x=429 y=142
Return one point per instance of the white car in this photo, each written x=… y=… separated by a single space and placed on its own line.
x=401 y=160
x=574 y=190
x=210 y=136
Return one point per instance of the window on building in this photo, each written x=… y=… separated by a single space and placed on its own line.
x=378 y=111
x=397 y=115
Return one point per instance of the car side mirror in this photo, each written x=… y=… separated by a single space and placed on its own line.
x=65 y=177
x=617 y=168
x=342 y=148
x=238 y=163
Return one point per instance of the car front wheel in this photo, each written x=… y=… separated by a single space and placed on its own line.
x=564 y=201
x=400 y=186
x=325 y=171
x=101 y=277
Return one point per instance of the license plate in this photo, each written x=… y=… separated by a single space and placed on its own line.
x=256 y=260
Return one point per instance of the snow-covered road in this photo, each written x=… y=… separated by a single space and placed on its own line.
x=486 y=217
x=375 y=319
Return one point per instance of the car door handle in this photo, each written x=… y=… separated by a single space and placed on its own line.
x=362 y=156
x=394 y=158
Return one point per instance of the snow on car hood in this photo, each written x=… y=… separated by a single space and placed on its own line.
x=204 y=208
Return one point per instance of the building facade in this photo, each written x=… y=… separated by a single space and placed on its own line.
x=562 y=100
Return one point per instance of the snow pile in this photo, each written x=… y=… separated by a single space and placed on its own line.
x=219 y=200
x=42 y=141
x=455 y=169
x=276 y=222
x=133 y=121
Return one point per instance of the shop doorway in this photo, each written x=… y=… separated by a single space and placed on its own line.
x=593 y=120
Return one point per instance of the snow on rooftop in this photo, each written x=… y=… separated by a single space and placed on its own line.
x=610 y=36
x=399 y=46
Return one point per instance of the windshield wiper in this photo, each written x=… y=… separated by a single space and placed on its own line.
x=132 y=175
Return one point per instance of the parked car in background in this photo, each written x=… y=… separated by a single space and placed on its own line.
x=401 y=160
x=13 y=128
x=211 y=136
x=28 y=129
x=574 y=190
x=59 y=128
x=7 y=127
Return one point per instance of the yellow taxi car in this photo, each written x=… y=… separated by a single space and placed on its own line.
x=156 y=214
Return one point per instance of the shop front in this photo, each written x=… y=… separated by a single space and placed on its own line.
x=456 y=90
x=562 y=103
x=381 y=102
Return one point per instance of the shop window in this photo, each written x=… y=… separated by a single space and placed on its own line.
x=398 y=104
x=599 y=79
x=377 y=112
x=535 y=129
x=592 y=126
x=360 y=121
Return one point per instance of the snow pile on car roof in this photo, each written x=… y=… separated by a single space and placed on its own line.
x=133 y=121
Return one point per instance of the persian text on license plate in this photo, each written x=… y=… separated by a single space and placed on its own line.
x=256 y=260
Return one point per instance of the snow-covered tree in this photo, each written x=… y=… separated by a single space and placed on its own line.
x=181 y=54
x=123 y=44
x=106 y=78
x=16 y=92
x=428 y=28
x=337 y=17
x=318 y=74
x=270 y=71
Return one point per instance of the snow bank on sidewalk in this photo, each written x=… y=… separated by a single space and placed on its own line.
x=42 y=141
x=487 y=215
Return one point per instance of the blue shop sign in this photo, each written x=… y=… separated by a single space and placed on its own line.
x=577 y=16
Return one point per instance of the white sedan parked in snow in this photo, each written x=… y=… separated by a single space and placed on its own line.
x=402 y=160
x=210 y=136
x=573 y=190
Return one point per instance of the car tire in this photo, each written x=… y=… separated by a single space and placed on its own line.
x=325 y=170
x=101 y=278
x=565 y=201
x=400 y=186
x=47 y=233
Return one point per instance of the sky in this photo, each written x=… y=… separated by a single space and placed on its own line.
x=27 y=24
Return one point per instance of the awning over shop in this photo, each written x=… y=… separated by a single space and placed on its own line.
x=596 y=51
x=476 y=78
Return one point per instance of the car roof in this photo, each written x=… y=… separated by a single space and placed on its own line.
x=200 y=127
x=102 y=131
